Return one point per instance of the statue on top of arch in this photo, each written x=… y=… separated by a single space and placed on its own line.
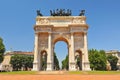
x=39 y=13
x=61 y=12
x=82 y=13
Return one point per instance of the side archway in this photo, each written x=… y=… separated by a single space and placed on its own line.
x=78 y=59
x=43 y=60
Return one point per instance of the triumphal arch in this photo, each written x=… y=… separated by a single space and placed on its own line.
x=60 y=26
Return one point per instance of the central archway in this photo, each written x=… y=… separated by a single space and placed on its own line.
x=61 y=51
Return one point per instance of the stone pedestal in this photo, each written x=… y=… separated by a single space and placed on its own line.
x=35 y=66
x=49 y=67
x=72 y=66
x=87 y=66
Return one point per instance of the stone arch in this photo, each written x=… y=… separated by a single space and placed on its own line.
x=74 y=33
x=78 y=59
x=60 y=38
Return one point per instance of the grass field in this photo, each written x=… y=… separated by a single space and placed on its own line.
x=64 y=72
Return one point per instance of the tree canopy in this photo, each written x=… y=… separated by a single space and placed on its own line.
x=21 y=61
x=97 y=59
x=113 y=61
x=65 y=64
x=56 y=62
x=2 y=50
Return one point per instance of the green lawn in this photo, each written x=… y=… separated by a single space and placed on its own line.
x=66 y=72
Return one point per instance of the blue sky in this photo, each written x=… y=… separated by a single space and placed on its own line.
x=17 y=18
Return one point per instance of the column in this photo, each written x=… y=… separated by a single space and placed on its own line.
x=86 y=61
x=49 y=55
x=72 y=55
x=35 y=62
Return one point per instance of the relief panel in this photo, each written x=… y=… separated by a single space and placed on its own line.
x=43 y=40
x=78 y=29
x=78 y=41
x=44 y=21
x=78 y=21
x=43 y=29
x=59 y=30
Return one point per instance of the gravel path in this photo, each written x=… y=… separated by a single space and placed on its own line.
x=59 y=77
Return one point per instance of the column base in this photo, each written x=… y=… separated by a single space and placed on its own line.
x=72 y=66
x=49 y=67
x=35 y=66
x=87 y=66
x=72 y=69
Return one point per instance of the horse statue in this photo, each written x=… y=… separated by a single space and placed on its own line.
x=82 y=13
x=61 y=12
x=39 y=13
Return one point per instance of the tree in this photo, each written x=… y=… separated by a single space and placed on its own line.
x=21 y=61
x=65 y=63
x=16 y=61
x=56 y=62
x=113 y=61
x=2 y=50
x=27 y=62
x=103 y=59
x=97 y=59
